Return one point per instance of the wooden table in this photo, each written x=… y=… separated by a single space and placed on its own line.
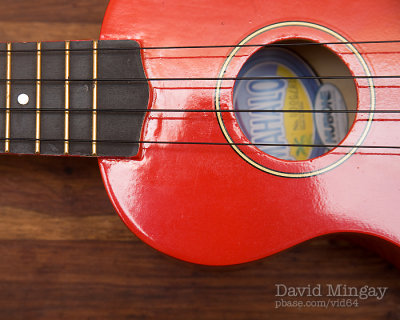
x=66 y=255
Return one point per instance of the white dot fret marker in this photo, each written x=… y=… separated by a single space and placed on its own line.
x=23 y=99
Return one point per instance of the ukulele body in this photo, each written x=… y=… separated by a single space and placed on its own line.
x=220 y=204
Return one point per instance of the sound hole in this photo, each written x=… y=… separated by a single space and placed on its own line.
x=290 y=117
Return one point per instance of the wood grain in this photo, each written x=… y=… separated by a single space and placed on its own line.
x=66 y=255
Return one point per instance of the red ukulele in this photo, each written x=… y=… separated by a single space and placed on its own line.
x=226 y=131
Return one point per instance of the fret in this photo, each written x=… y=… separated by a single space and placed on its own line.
x=8 y=99
x=53 y=123
x=23 y=95
x=38 y=96
x=3 y=85
x=81 y=97
x=94 y=113
x=66 y=116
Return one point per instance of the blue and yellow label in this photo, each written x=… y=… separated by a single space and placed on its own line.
x=277 y=130
x=331 y=126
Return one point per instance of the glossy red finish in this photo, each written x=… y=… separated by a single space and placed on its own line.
x=208 y=204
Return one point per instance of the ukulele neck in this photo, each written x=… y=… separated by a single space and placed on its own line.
x=72 y=98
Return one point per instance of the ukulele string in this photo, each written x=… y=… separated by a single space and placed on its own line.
x=207 y=143
x=137 y=79
x=99 y=110
x=205 y=46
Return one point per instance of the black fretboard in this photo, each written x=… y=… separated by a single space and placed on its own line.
x=55 y=100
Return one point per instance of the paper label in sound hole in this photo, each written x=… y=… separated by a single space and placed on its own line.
x=278 y=133
x=331 y=127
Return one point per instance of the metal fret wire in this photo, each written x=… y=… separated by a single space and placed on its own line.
x=8 y=100
x=94 y=106
x=66 y=95
x=38 y=96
